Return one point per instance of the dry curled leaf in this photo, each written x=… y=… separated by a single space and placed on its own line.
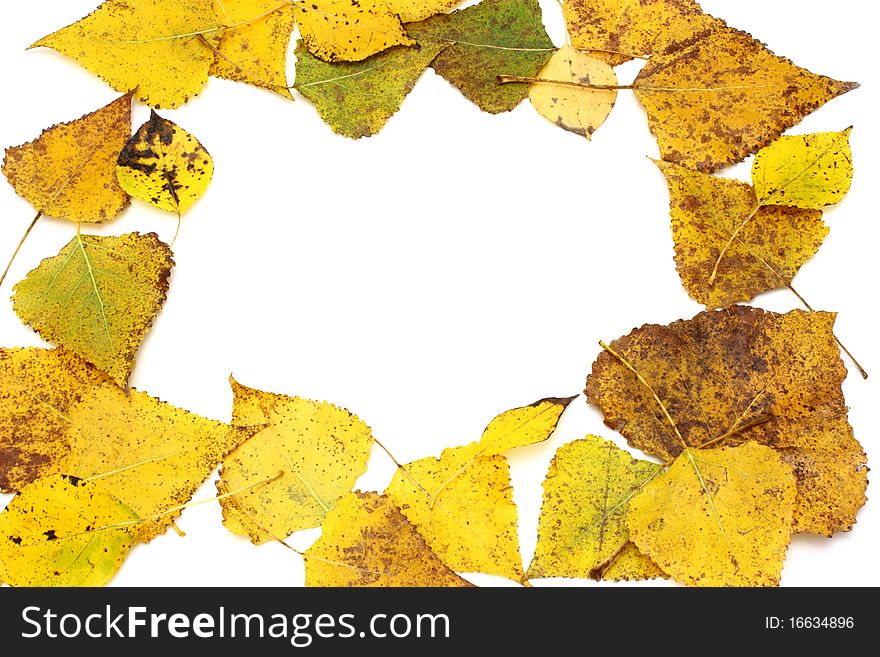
x=165 y=166
x=367 y=541
x=321 y=450
x=64 y=531
x=580 y=110
x=342 y=30
x=357 y=98
x=717 y=517
x=253 y=48
x=69 y=171
x=581 y=530
x=495 y=37
x=728 y=247
x=154 y=47
x=740 y=374
x=717 y=96
x=98 y=297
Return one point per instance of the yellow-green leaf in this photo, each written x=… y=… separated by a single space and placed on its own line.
x=580 y=110
x=581 y=530
x=342 y=30
x=98 y=297
x=64 y=531
x=527 y=425
x=321 y=450
x=367 y=541
x=804 y=171
x=717 y=517
x=69 y=171
x=463 y=506
x=165 y=166
x=154 y=47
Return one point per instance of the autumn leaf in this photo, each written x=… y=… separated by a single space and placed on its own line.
x=320 y=448
x=717 y=517
x=728 y=246
x=417 y=10
x=144 y=451
x=64 y=531
x=492 y=38
x=617 y=30
x=254 y=48
x=69 y=171
x=464 y=508
x=367 y=541
x=98 y=297
x=580 y=110
x=165 y=166
x=739 y=374
x=523 y=426
x=722 y=84
x=38 y=387
x=581 y=530
x=357 y=98
x=804 y=171
x=342 y=30
x=154 y=47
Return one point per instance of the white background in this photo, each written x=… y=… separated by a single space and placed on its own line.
x=454 y=266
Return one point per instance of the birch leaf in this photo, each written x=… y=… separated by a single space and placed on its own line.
x=98 y=297
x=367 y=541
x=155 y=47
x=69 y=171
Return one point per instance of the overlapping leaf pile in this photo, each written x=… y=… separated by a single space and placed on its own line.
x=742 y=408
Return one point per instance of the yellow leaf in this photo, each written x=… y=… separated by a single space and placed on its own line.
x=98 y=297
x=527 y=425
x=718 y=517
x=150 y=454
x=341 y=30
x=418 y=10
x=464 y=508
x=620 y=29
x=165 y=166
x=367 y=541
x=728 y=89
x=69 y=171
x=37 y=389
x=763 y=246
x=154 y=47
x=64 y=531
x=577 y=109
x=320 y=448
x=581 y=530
x=254 y=50
x=741 y=374
x=804 y=171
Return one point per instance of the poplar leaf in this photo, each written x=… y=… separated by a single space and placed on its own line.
x=580 y=110
x=804 y=171
x=495 y=37
x=367 y=541
x=254 y=47
x=763 y=247
x=64 y=531
x=523 y=426
x=98 y=297
x=155 y=47
x=342 y=30
x=728 y=88
x=581 y=530
x=417 y=10
x=356 y=98
x=321 y=450
x=717 y=517
x=165 y=166
x=740 y=374
x=69 y=171
x=464 y=508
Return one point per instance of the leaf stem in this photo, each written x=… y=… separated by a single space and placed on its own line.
x=20 y=244
x=763 y=419
x=505 y=79
x=401 y=468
